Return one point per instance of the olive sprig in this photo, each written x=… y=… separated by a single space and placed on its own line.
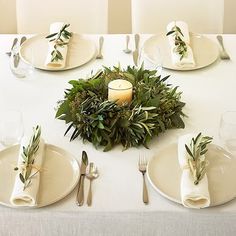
x=197 y=162
x=181 y=46
x=60 y=39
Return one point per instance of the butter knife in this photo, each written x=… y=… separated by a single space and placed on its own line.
x=80 y=193
x=136 y=51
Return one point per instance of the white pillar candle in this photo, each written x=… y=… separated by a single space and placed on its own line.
x=120 y=90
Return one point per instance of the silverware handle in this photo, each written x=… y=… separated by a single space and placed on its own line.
x=127 y=42
x=80 y=193
x=101 y=40
x=136 y=39
x=23 y=39
x=89 y=199
x=220 y=40
x=145 y=193
x=14 y=43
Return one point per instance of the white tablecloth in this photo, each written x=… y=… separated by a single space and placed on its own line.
x=117 y=204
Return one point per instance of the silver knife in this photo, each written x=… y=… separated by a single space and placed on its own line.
x=17 y=56
x=13 y=45
x=83 y=165
x=136 y=51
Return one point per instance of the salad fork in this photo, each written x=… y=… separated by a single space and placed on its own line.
x=142 y=168
x=91 y=175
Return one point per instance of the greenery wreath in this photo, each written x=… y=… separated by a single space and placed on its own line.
x=155 y=107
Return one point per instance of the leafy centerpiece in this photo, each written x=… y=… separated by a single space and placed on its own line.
x=155 y=107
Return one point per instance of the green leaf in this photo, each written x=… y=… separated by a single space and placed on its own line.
x=170 y=32
x=100 y=125
x=51 y=35
x=188 y=150
x=22 y=178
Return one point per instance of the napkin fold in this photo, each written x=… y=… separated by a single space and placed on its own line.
x=188 y=60
x=55 y=28
x=27 y=197
x=192 y=196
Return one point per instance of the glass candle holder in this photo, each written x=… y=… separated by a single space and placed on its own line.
x=120 y=91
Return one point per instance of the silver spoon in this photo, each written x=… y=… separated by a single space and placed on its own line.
x=91 y=175
x=127 y=50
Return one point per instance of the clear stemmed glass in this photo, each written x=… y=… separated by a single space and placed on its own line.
x=227 y=131
x=11 y=127
x=19 y=67
x=151 y=60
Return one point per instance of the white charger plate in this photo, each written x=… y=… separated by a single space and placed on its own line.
x=164 y=174
x=59 y=176
x=80 y=51
x=205 y=51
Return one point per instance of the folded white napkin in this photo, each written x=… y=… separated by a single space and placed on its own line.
x=54 y=28
x=188 y=60
x=27 y=197
x=192 y=196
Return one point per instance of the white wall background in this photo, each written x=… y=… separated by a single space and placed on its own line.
x=119 y=16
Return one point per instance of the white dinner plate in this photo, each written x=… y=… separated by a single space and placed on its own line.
x=59 y=176
x=80 y=51
x=164 y=174
x=205 y=51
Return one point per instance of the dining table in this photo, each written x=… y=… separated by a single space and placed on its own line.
x=117 y=207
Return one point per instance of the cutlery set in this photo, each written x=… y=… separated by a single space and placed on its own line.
x=90 y=175
x=136 y=50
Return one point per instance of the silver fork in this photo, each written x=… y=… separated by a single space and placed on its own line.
x=142 y=168
x=223 y=54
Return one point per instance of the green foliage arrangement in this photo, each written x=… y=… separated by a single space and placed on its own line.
x=155 y=107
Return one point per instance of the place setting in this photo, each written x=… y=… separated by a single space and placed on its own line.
x=59 y=50
x=181 y=49
x=35 y=173
x=193 y=172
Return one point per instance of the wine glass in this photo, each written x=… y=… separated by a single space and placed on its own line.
x=151 y=60
x=227 y=131
x=11 y=127
x=18 y=66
